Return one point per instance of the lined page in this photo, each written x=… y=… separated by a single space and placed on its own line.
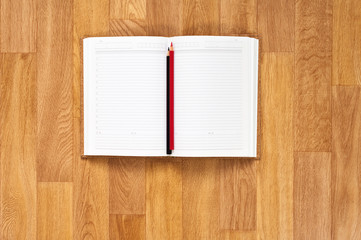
x=214 y=96
x=125 y=96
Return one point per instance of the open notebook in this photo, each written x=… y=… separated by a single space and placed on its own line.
x=215 y=96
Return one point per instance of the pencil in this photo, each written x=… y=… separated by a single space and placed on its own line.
x=171 y=93
x=169 y=151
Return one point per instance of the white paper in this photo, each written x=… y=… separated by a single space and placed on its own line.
x=125 y=104
x=215 y=96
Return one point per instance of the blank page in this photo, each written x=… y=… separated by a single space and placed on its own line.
x=215 y=82
x=125 y=96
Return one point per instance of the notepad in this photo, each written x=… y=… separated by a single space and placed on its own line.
x=215 y=96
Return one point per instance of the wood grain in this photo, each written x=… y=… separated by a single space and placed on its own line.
x=127 y=186
x=163 y=199
x=312 y=110
x=310 y=45
x=276 y=25
x=127 y=227
x=201 y=17
x=17 y=144
x=128 y=27
x=91 y=18
x=346 y=163
x=91 y=181
x=346 y=47
x=238 y=17
x=18 y=26
x=127 y=9
x=164 y=18
x=238 y=194
x=54 y=87
x=91 y=194
x=238 y=235
x=201 y=198
x=312 y=195
x=55 y=205
x=275 y=169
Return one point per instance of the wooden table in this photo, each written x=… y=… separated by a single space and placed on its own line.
x=307 y=184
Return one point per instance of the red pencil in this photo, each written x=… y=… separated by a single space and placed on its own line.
x=171 y=95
